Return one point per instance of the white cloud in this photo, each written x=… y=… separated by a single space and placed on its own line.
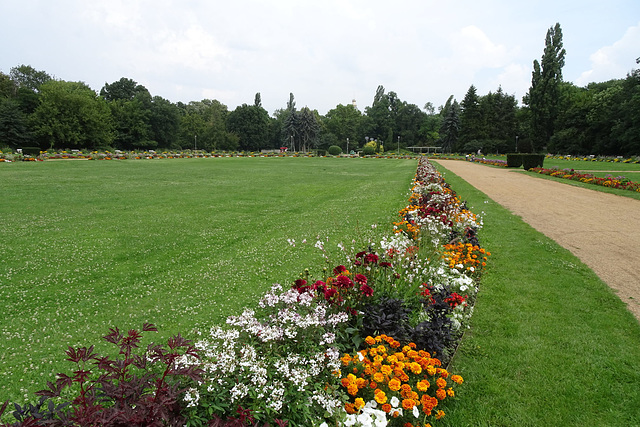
x=614 y=61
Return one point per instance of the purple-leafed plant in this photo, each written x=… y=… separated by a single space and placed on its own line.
x=129 y=390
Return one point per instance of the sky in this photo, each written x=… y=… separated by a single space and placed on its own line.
x=325 y=52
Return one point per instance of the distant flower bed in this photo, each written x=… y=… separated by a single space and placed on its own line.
x=365 y=343
x=619 y=182
x=617 y=159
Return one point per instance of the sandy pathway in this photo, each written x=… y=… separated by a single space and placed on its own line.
x=601 y=229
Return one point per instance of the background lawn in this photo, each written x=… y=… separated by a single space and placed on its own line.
x=182 y=243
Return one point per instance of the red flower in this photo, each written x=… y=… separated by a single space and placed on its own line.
x=366 y=290
x=385 y=264
x=320 y=286
x=360 y=279
x=331 y=295
x=339 y=269
x=343 y=282
x=360 y=254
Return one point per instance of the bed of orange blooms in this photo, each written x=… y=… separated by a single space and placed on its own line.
x=407 y=384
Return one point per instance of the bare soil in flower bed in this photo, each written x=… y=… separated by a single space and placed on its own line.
x=601 y=229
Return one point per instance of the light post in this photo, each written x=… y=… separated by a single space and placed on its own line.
x=195 y=142
x=347 y=146
x=398 y=145
x=516 y=143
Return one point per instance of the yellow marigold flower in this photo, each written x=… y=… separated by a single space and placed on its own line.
x=412 y=354
x=378 y=377
x=359 y=403
x=441 y=393
x=441 y=383
x=439 y=414
x=406 y=349
x=395 y=384
x=378 y=359
x=381 y=397
x=431 y=370
x=392 y=359
x=380 y=338
x=370 y=340
x=399 y=356
x=382 y=349
x=423 y=385
x=373 y=352
x=416 y=368
x=346 y=359
x=450 y=392
x=386 y=369
x=457 y=379
x=352 y=378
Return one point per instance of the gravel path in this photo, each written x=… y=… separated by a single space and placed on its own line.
x=601 y=229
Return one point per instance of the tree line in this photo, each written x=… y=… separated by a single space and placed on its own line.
x=37 y=110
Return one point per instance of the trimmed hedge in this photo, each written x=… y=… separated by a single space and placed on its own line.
x=334 y=150
x=526 y=160
x=530 y=161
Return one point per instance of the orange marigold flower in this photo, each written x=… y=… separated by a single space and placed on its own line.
x=352 y=389
x=439 y=414
x=361 y=383
x=394 y=384
x=349 y=408
x=378 y=377
x=457 y=379
x=344 y=382
x=346 y=359
x=441 y=393
x=443 y=373
x=386 y=408
x=399 y=356
x=386 y=369
x=408 y=404
x=382 y=349
x=373 y=385
x=358 y=403
x=450 y=392
x=441 y=383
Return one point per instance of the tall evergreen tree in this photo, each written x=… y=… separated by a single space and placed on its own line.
x=450 y=128
x=471 y=120
x=544 y=95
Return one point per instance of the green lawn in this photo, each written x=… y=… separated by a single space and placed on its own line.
x=182 y=243
x=585 y=165
x=550 y=344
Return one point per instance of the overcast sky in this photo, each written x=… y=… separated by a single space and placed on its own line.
x=326 y=52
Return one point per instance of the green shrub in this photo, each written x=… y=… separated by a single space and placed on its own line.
x=31 y=151
x=334 y=150
x=514 y=160
x=530 y=161
x=368 y=151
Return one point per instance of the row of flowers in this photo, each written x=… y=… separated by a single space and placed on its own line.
x=617 y=159
x=619 y=182
x=365 y=343
x=150 y=155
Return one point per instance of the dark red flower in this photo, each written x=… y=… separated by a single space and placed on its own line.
x=339 y=269
x=360 y=279
x=343 y=282
x=366 y=290
x=371 y=259
x=360 y=254
x=385 y=264
x=320 y=286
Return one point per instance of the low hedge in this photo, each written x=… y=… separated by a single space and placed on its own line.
x=526 y=160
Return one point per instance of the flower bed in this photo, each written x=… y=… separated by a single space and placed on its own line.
x=365 y=342
x=619 y=182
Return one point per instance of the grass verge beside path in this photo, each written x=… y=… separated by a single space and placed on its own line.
x=550 y=343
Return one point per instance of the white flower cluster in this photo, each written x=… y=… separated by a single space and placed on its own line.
x=264 y=360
